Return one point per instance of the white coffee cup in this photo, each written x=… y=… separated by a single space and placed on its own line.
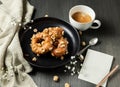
x=87 y=25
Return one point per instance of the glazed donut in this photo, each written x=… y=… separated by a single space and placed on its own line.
x=41 y=43
x=50 y=40
x=54 y=32
x=61 y=48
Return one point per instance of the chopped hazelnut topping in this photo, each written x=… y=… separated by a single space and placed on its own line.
x=62 y=32
x=43 y=50
x=62 y=46
x=50 y=48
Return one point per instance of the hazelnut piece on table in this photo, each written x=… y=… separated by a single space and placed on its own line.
x=46 y=15
x=83 y=43
x=67 y=85
x=55 y=78
x=80 y=32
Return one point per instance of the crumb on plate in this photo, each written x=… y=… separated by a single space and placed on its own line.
x=34 y=59
x=35 y=30
x=26 y=54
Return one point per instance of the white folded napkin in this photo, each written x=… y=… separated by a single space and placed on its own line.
x=13 y=66
x=95 y=67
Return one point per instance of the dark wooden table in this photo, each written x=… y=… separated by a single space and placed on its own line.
x=108 y=12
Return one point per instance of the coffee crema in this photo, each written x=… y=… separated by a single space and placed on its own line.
x=81 y=17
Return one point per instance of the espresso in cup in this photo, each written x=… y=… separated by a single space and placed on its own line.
x=82 y=18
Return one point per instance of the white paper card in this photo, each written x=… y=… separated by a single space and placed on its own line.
x=96 y=65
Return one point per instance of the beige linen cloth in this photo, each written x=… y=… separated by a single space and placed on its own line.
x=13 y=67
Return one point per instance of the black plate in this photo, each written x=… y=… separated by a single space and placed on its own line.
x=46 y=60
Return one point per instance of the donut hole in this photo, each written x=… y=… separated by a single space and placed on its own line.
x=55 y=44
x=40 y=41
